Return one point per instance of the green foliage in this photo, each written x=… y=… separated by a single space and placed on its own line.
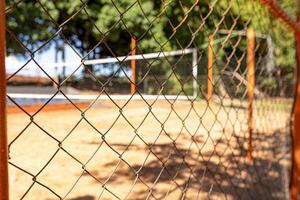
x=29 y=26
x=116 y=19
x=158 y=25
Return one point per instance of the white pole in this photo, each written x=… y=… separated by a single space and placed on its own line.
x=120 y=58
x=270 y=55
x=195 y=73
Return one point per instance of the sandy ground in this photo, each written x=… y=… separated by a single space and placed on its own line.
x=166 y=151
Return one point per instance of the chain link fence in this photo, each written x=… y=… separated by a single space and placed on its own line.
x=76 y=132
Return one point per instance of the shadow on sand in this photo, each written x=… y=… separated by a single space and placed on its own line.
x=224 y=173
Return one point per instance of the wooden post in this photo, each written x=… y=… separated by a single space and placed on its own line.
x=210 y=68
x=3 y=135
x=133 y=66
x=250 y=85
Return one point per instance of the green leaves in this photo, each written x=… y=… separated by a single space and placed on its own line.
x=166 y=25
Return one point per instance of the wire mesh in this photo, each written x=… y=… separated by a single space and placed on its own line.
x=159 y=148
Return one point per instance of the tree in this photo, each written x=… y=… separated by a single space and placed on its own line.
x=103 y=28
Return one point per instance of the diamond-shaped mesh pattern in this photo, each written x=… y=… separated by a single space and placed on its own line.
x=190 y=146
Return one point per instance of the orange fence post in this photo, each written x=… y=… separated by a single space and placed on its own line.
x=296 y=133
x=3 y=135
x=210 y=68
x=279 y=12
x=296 y=121
x=133 y=65
x=250 y=85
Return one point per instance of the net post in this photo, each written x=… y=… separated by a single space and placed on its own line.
x=195 y=73
x=210 y=68
x=250 y=85
x=56 y=75
x=3 y=131
x=133 y=66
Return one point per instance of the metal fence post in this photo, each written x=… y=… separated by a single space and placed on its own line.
x=296 y=121
x=296 y=128
x=296 y=131
x=250 y=85
x=3 y=135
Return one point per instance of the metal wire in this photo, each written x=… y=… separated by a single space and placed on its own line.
x=159 y=147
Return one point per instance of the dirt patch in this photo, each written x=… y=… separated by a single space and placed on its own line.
x=131 y=150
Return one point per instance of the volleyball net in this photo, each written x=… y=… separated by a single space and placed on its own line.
x=115 y=75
